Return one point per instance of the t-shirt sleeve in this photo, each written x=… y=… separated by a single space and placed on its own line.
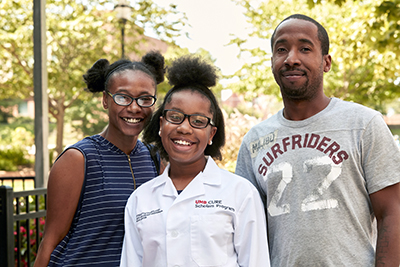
x=380 y=156
x=244 y=168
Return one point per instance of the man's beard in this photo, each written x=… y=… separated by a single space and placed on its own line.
x=306 y=92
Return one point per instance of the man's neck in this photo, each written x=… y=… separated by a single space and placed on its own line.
x=301 y=110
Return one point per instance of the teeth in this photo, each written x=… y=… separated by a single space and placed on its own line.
x=131 y=120
x=181 y=142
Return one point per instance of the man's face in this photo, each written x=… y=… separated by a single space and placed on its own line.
x=297 y=61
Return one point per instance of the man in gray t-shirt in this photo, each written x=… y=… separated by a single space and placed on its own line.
x=328 y=170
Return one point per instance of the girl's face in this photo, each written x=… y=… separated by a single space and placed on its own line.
x=128 y=121
x=184 y=143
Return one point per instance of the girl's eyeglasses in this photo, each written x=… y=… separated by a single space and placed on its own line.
x=195 y=120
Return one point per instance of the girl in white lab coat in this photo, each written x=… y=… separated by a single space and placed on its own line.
x=194 y=213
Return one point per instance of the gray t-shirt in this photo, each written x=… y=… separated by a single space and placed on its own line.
x=315 y=177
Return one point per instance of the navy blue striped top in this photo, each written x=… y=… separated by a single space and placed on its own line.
x=97 y=230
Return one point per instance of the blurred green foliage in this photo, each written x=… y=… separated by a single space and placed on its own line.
x=16 y=138
x=12 y=158
x=78 y=34
x=365 y=48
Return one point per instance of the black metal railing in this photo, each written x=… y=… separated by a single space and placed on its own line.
x=21 y=225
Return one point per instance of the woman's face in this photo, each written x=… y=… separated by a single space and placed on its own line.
x=128 y=121
x=184 y=143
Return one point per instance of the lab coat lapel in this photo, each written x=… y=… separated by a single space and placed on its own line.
x=169 y=189
x=212 y=173
x=194 y=189
x=197 y=187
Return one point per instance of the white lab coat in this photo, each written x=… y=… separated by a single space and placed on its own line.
x=217 y=220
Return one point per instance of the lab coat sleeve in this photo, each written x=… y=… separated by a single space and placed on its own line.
x=132 y=250
x=250 y=236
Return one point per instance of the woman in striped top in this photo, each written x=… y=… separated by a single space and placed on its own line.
x=91 y=180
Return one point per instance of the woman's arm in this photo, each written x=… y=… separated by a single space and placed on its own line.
x=63 y=192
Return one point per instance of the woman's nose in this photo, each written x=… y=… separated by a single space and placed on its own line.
x=134 y=107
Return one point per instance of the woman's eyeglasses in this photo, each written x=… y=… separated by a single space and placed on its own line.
x=144 y=101
x=195 y=120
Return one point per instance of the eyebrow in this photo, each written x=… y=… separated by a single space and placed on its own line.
x=280 y=41
x=126 y=92
x=303 y=40
x=180 y=110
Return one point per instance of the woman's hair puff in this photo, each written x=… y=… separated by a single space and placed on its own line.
x=98 y=76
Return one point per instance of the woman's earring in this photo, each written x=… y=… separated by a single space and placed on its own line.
x=159 y=132
x=210 y=142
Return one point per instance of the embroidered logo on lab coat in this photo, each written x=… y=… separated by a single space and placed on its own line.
x=211 y=204
x=144 y=215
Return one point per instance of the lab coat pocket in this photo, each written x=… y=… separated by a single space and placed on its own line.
x=211 y=238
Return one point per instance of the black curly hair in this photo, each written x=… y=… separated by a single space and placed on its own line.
x=98 y=76
x=191 y=73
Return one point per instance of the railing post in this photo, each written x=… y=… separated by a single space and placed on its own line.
x=6 y=226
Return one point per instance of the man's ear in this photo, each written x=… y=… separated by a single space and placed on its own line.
x=272 y=63
x=327 y=62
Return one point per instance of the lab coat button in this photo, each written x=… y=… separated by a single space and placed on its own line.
x=174 y=233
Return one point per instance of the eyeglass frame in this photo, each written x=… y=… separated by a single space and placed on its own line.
x=209 y=121
x=132 y=99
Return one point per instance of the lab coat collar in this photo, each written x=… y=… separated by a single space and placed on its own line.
x=210 y=175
